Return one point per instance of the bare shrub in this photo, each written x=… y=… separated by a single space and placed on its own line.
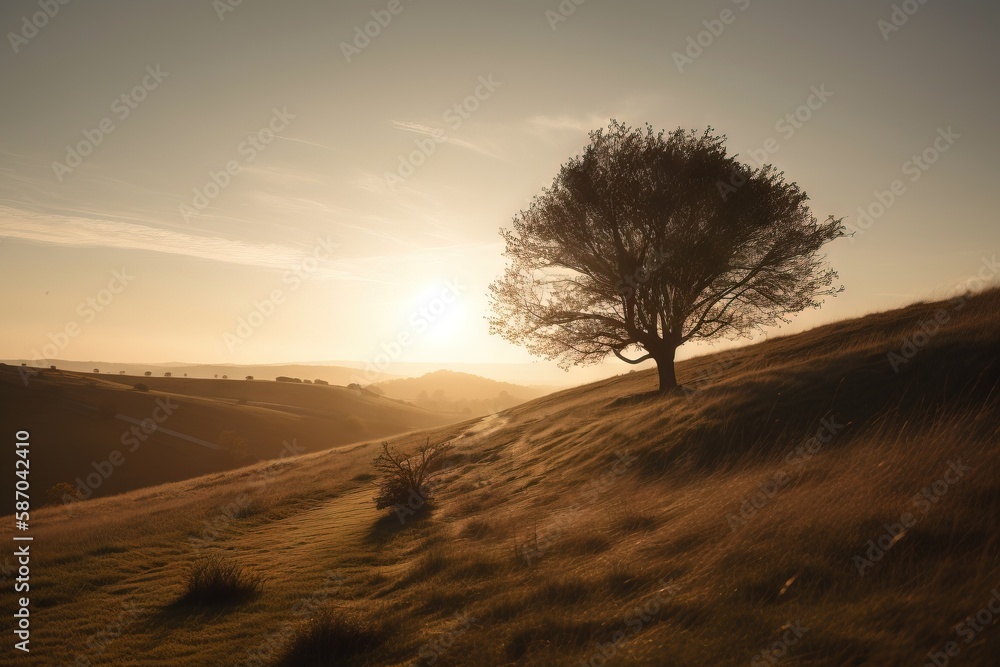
x=403 y=477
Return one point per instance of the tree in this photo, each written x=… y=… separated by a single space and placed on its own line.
x=121 y=372
x=63 y=492
x=649 y=240
x=97 y=370
x=249 y=377
x=148 y=373
x=166 y=375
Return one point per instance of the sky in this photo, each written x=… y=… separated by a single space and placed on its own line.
x=252 y=182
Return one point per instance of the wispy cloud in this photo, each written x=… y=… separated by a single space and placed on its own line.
x=306 y=142
x=90 y=232
x=568 y=123
x=428 y=131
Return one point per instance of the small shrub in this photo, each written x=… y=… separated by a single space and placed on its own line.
x=215 y=580
x=403 y=477
x=331 y=637
x=140 y=386
x=321 y=382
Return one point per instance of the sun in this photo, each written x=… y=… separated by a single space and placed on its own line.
x=439 y=315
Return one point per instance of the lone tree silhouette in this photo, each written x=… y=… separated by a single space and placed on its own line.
x=650 y=240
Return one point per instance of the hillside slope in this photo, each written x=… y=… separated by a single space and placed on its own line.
x=201 y=425
x=806 y=505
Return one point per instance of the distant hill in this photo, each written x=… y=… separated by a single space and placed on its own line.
x=79 y=420
x=460 y=392
x=339 y=375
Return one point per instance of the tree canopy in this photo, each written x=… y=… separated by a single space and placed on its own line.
x=649 y=240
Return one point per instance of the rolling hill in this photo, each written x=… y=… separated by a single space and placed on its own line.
x=193 y=426
x=460 y=392
x=828 y=498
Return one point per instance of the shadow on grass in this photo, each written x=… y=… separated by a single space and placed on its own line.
x=642 y=398
x=215 y=586
x=391 y=524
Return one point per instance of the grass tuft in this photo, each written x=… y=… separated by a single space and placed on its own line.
x=215 y=580
x=331 y=637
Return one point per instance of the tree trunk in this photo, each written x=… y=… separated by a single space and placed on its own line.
x=665 y=369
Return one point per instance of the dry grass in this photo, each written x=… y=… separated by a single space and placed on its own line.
x=724 y=523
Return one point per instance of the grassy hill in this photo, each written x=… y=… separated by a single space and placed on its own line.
x=201 y=425
x=828 y=498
